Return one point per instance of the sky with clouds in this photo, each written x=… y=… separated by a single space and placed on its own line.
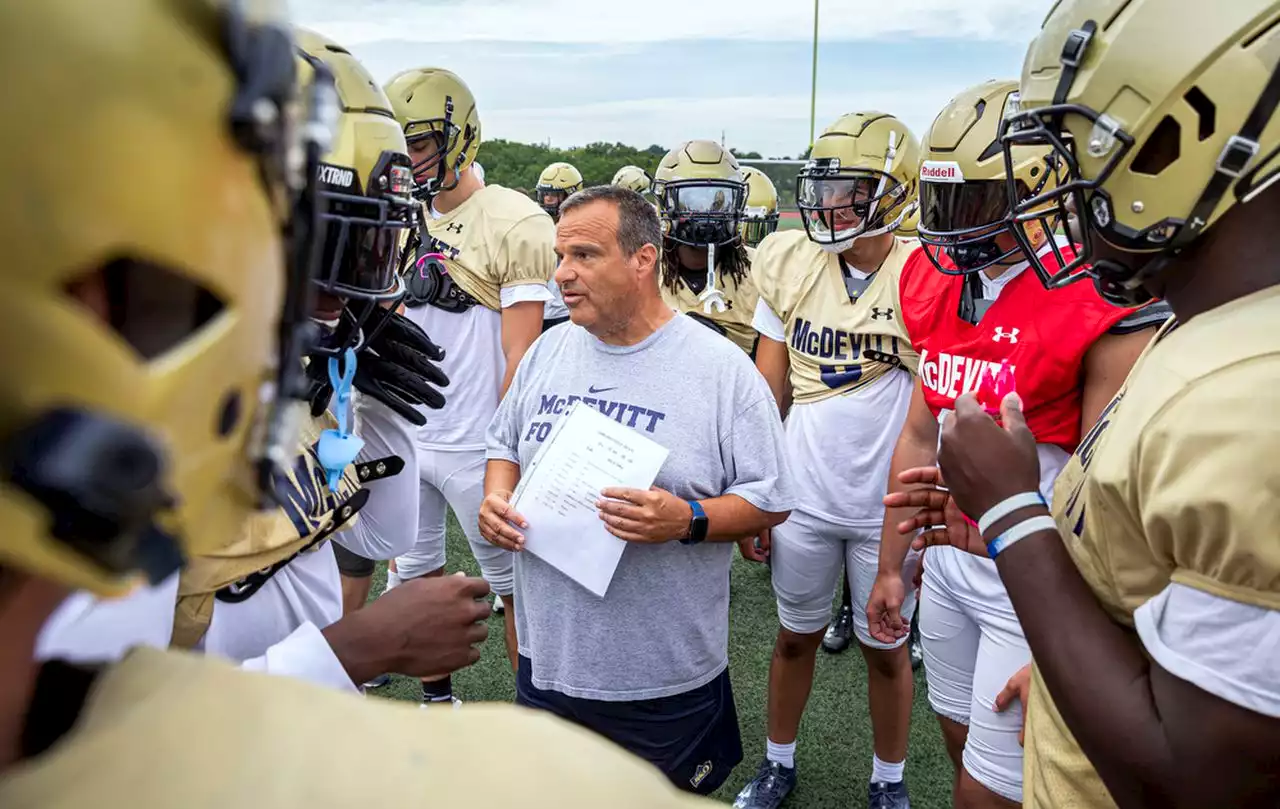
x=663 y=71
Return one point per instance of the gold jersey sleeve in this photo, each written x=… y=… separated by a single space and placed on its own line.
x=735 y=321
x=497 y=238
x=1175 y=483
x=308 y=513
x=836 y=345
x=170 y=729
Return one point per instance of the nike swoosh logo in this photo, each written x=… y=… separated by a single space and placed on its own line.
x=600 y=390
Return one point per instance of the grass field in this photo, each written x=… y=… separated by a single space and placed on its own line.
x=834 y=754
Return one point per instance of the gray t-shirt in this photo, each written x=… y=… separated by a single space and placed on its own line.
x=663 y=626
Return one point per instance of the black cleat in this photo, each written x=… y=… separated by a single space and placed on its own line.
x=771 y=786
x=840 y=632
x=883 y=795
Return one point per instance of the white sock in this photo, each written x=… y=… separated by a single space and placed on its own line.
x=393 y=580
x=883 y=771
x=784 y=754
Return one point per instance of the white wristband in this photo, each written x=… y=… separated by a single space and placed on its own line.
x=1006 y=507
x=1019 y=532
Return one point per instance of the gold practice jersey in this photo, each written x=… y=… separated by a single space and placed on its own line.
x=1175 y=483
x=735 y=320
x=836 y=345
x=308 y=515
x=170 y=729
x=497 y=238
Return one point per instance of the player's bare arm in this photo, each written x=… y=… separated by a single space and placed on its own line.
x=916 y=447
x=521 y=325
x=774 y=364
x=1106 y=366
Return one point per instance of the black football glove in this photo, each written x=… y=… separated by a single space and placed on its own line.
x=397 y=367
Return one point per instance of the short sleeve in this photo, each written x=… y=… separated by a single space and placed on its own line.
x=527 y=254
x=1208 y=485
x=523 y=293
x=304 y=655
x=767 y=322
x=1213 y=643
x=756 y=458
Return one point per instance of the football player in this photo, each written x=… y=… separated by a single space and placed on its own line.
x=761 y=216
x=1145 y=604
x=970 y=305
x=556 y=182
x=147 y=351
x=635 y=178
x=478 y=284
x=267 y=595
x=554 y=186
x=706 y=267
x=831 y=331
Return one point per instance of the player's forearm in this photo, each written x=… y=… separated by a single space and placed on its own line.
x=730 y=518
x=501 y=476
x=1094 y=669
x=910 y=452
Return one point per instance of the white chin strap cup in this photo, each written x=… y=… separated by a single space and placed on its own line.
x=711 y=298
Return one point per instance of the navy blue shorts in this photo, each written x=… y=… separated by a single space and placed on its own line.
x=692 y=737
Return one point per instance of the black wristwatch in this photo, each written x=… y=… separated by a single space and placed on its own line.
x=697 y=525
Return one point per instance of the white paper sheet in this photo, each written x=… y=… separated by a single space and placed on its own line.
x=586 y=453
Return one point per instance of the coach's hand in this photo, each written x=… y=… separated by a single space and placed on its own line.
x=884 y=608
x=984 y=462
x=498 y=521
x=1019 y=688
x=639 y=515
x=424 y=628
x=937 y=520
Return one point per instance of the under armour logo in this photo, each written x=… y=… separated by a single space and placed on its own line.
x=881 y=314
x=1001 y=334
x=454 y=227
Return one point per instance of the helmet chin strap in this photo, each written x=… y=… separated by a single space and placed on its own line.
x=711 y=298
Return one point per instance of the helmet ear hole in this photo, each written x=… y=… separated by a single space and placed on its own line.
x=151 y=308
x=1161 y=150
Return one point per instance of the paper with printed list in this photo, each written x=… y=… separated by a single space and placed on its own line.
x=586 y=453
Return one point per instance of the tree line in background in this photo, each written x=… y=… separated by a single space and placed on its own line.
x=517 y=165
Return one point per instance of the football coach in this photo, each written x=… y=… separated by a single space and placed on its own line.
x=646 y=665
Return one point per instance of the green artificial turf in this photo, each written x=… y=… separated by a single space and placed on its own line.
x=834 y=753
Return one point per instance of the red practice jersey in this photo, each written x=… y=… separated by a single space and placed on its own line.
x=1043 y=333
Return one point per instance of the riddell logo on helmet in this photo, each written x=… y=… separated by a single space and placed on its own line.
x=941 y=171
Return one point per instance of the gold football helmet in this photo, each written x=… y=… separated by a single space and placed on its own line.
x=364 y=188
x=635 y=178
x=432 y=103
x=964 y=202
x=860 y=180
x=1163 y=115
x=555 y=184
x=701 y=193
x=761 y=215
x=143 y=298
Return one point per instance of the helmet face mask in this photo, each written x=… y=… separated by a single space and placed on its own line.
x=758 y=223
x=839 y=205
x=702 y=212
x=1047 y=127
x=431 y=173
x=761 y=215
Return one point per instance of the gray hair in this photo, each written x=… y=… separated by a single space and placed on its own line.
x=637 y=219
